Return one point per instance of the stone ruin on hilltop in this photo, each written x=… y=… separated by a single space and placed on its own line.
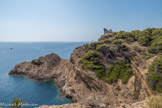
x=107 y=34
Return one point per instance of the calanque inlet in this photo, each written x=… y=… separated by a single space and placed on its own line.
x=120 y=70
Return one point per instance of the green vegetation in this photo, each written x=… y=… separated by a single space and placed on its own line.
x=93 y=45
x=124 y=47
x=17 y=103
x=113 y=48
x=155 y=75
x=119 y=70
x=128 y=36
x=102 y=47
x=117 y=41
x=156 y=46
x=93 y=61
x=151 y=37
x=107 y=41
x=146 y=56
x=154 y=101
x=144 y=38
x=117 y=88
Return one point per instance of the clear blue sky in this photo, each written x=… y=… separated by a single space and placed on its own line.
x=74 y=20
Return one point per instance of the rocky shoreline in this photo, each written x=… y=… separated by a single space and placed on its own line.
x=117 y=71
x=77 y=84
x=82 y=86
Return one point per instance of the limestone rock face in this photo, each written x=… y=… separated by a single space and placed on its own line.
x=107 y=31
x=82 y=86
x=39 y=69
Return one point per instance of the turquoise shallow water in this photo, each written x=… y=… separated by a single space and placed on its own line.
x=30 y=91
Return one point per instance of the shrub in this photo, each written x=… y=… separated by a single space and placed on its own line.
x=145 y=37
x=150 y=37
x=156 y=32
x=128 y=36
x=113 y=48
x=119 y=70
x=115 y=33
x=92 y=61
x=124 y=47
x=93 y=45
x=144 y=40
x=107 y=41
x=102 y=47
x=136 y=34
x=156 y=46
x=155 y=75
x=117 y=41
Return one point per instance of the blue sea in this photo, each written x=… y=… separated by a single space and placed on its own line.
x=31 y=92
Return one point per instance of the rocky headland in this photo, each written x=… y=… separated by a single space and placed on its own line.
x=85 y=86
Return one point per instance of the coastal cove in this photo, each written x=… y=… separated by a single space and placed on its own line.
x=41 y=93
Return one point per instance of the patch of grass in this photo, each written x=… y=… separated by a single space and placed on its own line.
x=154 y=101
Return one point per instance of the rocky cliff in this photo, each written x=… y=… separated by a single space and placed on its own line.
x=82 y=85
